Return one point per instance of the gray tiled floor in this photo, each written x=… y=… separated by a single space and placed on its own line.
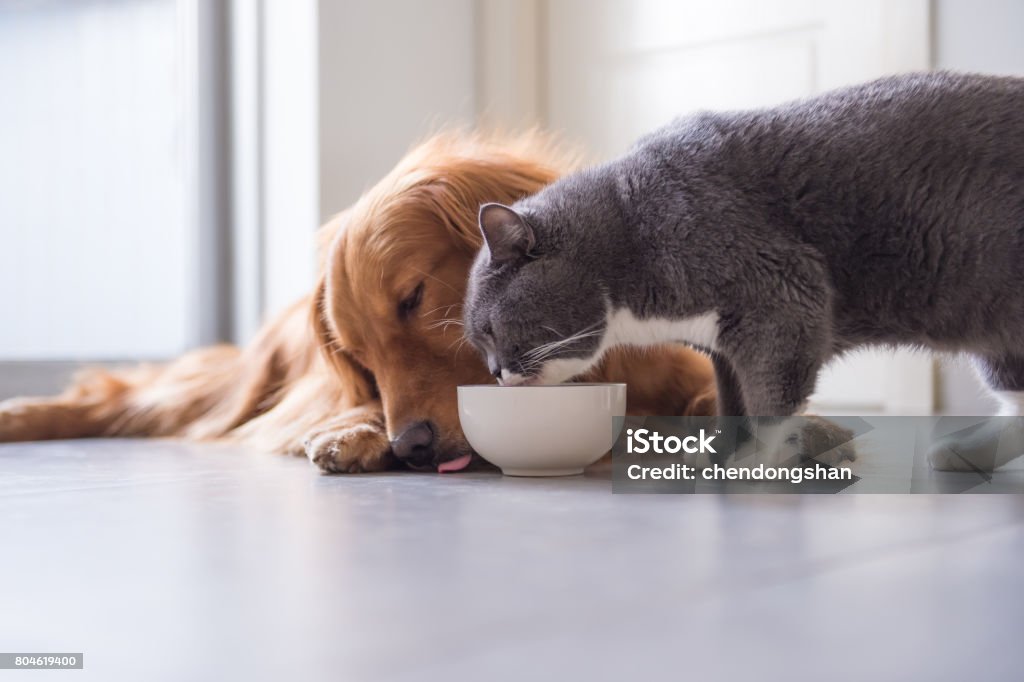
x=167 y=561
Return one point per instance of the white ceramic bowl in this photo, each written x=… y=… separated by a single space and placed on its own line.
x=541 y=430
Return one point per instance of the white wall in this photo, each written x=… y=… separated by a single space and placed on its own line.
x=290 y=190
x=391 y=71
x=985 y=36
x=93 y=234
x=979 y=35
x=344 y=89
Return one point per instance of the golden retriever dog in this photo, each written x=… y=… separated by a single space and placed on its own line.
x=361 y=374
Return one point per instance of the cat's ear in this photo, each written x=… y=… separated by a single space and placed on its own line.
x=507 y=235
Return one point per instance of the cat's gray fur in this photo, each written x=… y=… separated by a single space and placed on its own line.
x=886 y=213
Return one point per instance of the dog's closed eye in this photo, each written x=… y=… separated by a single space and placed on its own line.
x=410 y=303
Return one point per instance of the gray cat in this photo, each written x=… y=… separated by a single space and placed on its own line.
x=888 y=213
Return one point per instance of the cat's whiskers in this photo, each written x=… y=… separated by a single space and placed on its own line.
x=447 y=309
x=445 y=322
x=586 y=331
x=460 y=341
x=544 y=351
x=439 y=281
x=462 y=344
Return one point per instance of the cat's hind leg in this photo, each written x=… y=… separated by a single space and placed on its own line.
x=1005 y=378
x=1001 y=439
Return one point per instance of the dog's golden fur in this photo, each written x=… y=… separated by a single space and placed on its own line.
x=340 y=373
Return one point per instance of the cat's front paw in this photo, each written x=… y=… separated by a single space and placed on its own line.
x=798 y=441
x=824 y=441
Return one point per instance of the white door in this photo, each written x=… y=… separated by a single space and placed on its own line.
x=615 y=69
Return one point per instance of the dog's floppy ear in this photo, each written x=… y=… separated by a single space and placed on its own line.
x=507 y=235
x=358 y=384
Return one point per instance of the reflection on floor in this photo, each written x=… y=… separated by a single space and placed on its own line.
x=168 y=561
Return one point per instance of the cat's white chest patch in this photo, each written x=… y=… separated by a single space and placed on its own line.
x=624 y=328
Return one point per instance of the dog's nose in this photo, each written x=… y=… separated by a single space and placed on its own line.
x=415 y=445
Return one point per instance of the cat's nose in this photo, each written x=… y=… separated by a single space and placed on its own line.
x=493 y=366
x=415 y=445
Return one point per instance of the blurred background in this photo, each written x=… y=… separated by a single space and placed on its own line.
x=165 y=162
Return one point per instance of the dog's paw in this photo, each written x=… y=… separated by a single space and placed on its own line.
x=19 y=419
x=354 y=449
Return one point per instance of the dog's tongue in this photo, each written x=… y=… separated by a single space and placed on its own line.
x=456 y=464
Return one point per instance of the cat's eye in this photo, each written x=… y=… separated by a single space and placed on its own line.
x=410 y=303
